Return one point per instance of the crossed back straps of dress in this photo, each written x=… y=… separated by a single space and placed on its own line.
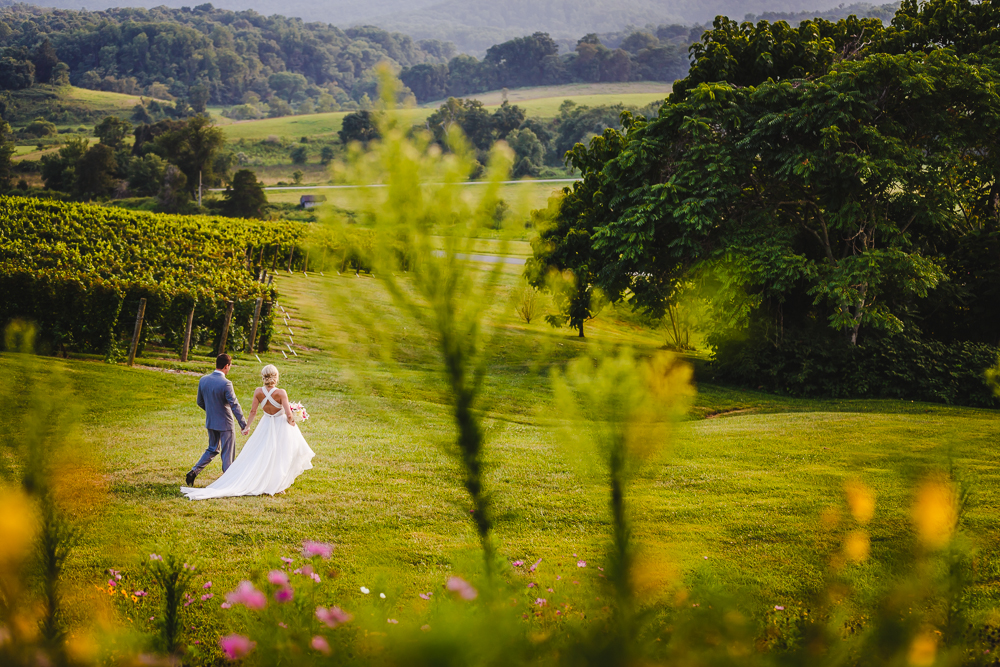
x=267 y=397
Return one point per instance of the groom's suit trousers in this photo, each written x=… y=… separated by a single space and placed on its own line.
x=224 y=440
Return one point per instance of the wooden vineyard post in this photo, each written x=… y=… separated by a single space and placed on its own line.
x=187 y=335
x=138 y=329
x=256 y=320
x=305 y=263
x=225 y=328
x=270 y=280
x=291 y=253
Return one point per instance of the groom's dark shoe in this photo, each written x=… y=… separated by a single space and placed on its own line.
x=190 y=479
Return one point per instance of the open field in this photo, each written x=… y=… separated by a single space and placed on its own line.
x=542 y=102
x=527 y=195
x=632 y=92
x=736 y=498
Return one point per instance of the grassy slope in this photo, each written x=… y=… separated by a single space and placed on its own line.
x=51 y=102
x=743 y=491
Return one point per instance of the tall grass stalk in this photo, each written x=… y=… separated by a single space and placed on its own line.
x=621 y=409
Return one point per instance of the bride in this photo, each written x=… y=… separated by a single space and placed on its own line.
x=274 y=455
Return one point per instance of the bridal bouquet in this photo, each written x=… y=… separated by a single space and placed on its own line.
x=299 y=412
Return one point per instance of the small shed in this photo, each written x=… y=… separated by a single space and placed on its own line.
x=311 y=201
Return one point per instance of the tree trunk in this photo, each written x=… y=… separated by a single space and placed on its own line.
x=579 y=327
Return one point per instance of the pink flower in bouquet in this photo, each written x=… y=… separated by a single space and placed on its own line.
x=277 y=577
x=462 y=587
x=236 y=646
x=284 y=594
x=321 y=549
x=320 y=644
x=333 y=616
x=247 y=595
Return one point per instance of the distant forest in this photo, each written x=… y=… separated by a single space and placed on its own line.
x=278 y=66
x=203 y=54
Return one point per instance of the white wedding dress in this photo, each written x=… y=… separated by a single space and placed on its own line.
x=269 y=462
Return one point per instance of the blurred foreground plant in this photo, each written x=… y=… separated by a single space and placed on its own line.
x=48 y=490
x=424 y=228
x=623 y=410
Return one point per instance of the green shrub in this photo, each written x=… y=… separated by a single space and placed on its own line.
x=902 y=366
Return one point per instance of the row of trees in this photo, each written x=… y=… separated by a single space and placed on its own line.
x=822 y=188
x=534 y=60
x=537 y=142
x=201 y=55
x=169 y=160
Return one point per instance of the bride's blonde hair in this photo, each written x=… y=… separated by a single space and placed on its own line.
x=269 y=375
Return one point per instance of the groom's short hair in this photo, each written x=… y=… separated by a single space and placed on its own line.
x=222 y=361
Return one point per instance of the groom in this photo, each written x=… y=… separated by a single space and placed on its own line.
x=217 y=398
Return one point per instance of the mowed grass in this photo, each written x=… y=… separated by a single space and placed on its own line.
x=736 y=497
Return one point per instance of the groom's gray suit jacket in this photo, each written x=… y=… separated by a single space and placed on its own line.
x=217 y=398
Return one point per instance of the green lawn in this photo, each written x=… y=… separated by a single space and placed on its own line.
x=736 y=497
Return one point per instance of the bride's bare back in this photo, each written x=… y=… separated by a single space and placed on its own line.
x=279 y=396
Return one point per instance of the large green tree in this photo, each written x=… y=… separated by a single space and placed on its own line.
x=838 y=189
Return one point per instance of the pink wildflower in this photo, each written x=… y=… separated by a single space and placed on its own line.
x=208 y=584
x=462 y=587
x=532 y=584
x=284 y=594
x=247 y=595
x=518 y=563
x=111 y=583
x=558 y=577
x=321 y=549
x=541 y=602
x=282 y=625
x=550 y=590
x=287 y=560
x=581 y=563
x=778 y=607
x=155 y=557
x=314 y=577
x=277 y=577
x=236 y=646
x=425 y=596
x=333 y=616
x=140 y=594
x=207 y=596
x=225 y=605
x=537 y=563
x=393 y=621
x=320 y=644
